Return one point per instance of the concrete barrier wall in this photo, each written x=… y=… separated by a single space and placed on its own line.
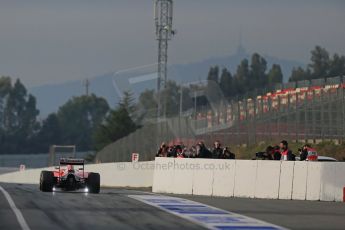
x=267 y=180
x=252 y=179
x=286 y=180
x=245 y=178
x=125 y=174
x=163 y=177
x=29 y=176
x=224 y=180
x=182 y=178
x=314 y=181
x=227 y=178
x=202 y=177
x=327 y=183
x=299 y=185
x=332 y=182
x=339 y=183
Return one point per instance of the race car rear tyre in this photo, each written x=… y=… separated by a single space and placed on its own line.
x=94 y=181
x=46 y=181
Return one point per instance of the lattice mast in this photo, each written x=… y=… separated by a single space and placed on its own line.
x=163 y=15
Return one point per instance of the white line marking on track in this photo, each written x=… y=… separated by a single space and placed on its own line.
x=205 y=215
x=16 y=211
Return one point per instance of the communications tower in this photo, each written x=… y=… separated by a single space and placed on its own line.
x=163 y=15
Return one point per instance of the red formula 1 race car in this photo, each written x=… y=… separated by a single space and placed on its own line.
x=67 y=178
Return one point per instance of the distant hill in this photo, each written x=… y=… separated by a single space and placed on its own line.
x=199 y=70
x=51 y=97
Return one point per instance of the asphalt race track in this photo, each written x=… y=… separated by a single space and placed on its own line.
x=291 y=214
x=111 y=209
x=114 y=209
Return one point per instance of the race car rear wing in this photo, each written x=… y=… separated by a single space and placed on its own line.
x=71 y=161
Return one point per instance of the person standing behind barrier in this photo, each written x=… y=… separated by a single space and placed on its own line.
x=180 y=155
x=172 y=151
x=286 y=154
x=269 y=153
x=227 y=154
x=277 y=155
x=185 y=152
x=217 y=151
x=178 y=151
x=304 y=152
x=191 y=153
x=202 y=151
x=162 y=151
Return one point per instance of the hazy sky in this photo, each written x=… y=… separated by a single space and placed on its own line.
x=49 y=41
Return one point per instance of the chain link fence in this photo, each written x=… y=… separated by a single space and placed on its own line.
x=305 y=111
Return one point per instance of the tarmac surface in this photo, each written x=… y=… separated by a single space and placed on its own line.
x=114 y=209
x=290 y=214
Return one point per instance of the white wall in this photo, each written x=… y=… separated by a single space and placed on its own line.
x=339 y=182
x=267 y=180
x=332 y=181
x=253 y=179
x=125 y=174
x=327 y=187
x=29 y=176
x=314 y=181
x=203 y=175
x=286 y=180
x=163 y=176
x=224 y=179
x=182 y=179
x=299 y=186
x=245 y=178
x=240 y=178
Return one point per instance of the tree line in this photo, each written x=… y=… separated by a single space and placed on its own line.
x=249 y=76
x=85 y=121
x=322 y=65
x=252 y=77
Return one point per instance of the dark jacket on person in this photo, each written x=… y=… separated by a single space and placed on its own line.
x=226 y=154
x=304 y=155
x=217 y=153
x=204 y=153
x=162 y=152
x=276 y=155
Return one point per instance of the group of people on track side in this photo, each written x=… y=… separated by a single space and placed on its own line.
x=281 y=152
x=197 y=151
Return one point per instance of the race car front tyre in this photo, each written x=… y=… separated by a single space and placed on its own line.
x=46 y=181
x=94 y=181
